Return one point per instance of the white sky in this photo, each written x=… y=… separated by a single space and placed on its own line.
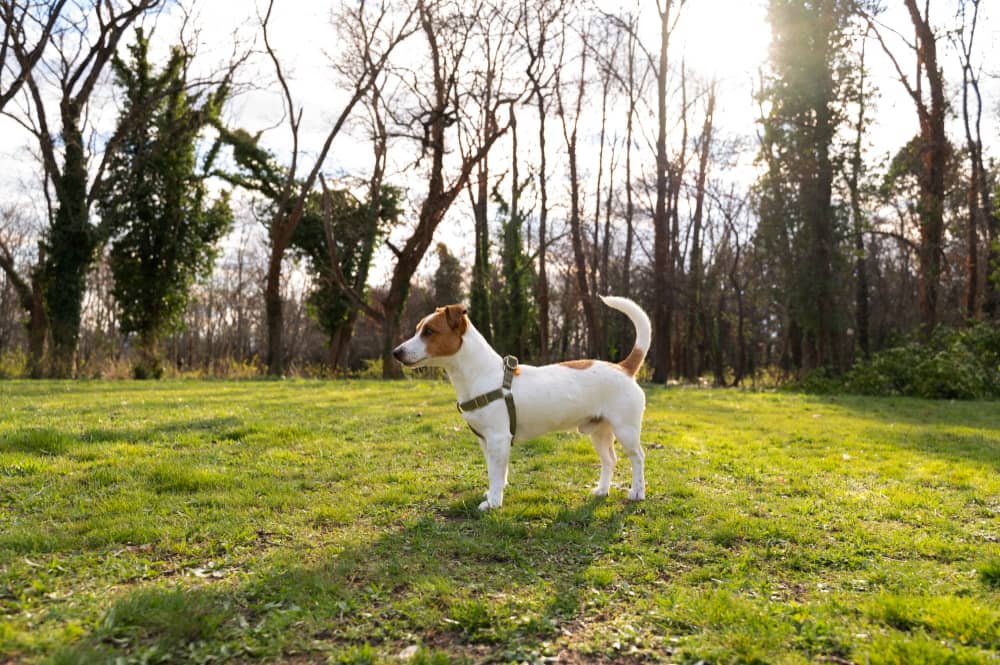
x=727 y=39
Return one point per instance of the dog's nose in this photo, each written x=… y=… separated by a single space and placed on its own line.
x=397 y=353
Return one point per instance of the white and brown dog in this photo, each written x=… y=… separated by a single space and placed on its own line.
x=599 y=398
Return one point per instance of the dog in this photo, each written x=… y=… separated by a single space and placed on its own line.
x=598 y=398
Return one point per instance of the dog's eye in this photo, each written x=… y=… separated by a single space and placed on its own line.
x=427 y=332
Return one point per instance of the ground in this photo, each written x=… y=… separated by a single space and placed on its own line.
x=303 y=522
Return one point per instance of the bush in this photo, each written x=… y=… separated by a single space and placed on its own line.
x=13 y=364
x=953 y=364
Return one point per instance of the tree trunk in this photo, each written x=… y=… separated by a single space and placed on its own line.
x=480 y=306
x=542 y=292
x=393 y=308
x=575 y=216
x=579 y=260
x=972 y=248
x=820 y=213
x=739 y=367
x=70 y=245
x=860 y=267
x=149 y=361
x=991 y=301
x=629 y=130
x=694 y=303
x=340 y=342
x=38 y=328
x=273 y=311
x=933 y=158
x=721 y=333
x=30 y=297
x=662 y=266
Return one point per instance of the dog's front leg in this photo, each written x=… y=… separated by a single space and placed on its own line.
x=497 y=450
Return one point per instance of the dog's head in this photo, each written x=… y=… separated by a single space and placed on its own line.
x=438 y=336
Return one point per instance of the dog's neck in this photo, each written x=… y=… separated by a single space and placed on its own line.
x=475 y=368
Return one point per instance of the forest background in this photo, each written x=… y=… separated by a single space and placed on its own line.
x=793 y=188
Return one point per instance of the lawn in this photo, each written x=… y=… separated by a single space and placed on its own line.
x=307 y=521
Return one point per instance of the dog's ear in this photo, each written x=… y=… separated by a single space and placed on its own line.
x=455 y=315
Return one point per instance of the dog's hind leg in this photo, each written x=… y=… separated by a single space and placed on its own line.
x=603 y=438
x=629 y=437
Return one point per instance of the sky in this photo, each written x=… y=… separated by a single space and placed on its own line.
x=725 y=39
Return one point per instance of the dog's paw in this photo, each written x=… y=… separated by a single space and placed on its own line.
x=490 y=502
x=636 y=494
x=599 y=491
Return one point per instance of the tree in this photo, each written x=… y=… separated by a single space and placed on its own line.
x=980 y=208
x=514 y=319
x=446 y=287
x=18 y=57
x=663 y=265
x=373 y=37
x=495 y=49
x=71 y=240
x=859 y=225
x=336 y=235
x=446 y=29
x=570 y=127
x=28 y=289
x=154 y=204
x=926 y=90
x=805 y=113
x=536 y=47
x=696 y=262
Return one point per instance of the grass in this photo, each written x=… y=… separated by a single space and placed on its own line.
x=336 y=522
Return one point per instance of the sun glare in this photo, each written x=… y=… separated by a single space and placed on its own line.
x=723 y=39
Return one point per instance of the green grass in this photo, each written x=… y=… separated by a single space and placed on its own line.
x=336 y=522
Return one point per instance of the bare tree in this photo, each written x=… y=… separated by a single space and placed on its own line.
x=375 y=105
x=694 y=312
x=377 y=34
x=446 y=28
x=570 y=129
x=14 y=234
x=663 y=265
x=980 y=210
x=861 y=304
x=537 y=45
x=606 y=53
x=495 y=49
x=27 y=27
x=931 y=108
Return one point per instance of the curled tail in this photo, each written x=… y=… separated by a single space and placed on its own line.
x=643 y=330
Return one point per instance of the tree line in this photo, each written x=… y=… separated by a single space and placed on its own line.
x=572 y=149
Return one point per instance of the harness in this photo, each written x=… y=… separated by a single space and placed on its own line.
x=509 y=371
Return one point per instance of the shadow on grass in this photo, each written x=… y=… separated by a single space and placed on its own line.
x=454 y=580
x=930 y=426
x=52 y=441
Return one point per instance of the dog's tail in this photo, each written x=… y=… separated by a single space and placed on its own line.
x=643 y=331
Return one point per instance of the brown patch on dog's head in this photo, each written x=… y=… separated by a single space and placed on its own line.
x=442 y=331
x=577 y=364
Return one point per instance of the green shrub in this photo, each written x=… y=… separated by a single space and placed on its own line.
x=989 y=573
x=952 y=364
x=13 y=364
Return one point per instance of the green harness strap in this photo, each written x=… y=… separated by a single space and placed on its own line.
x=509 y=368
